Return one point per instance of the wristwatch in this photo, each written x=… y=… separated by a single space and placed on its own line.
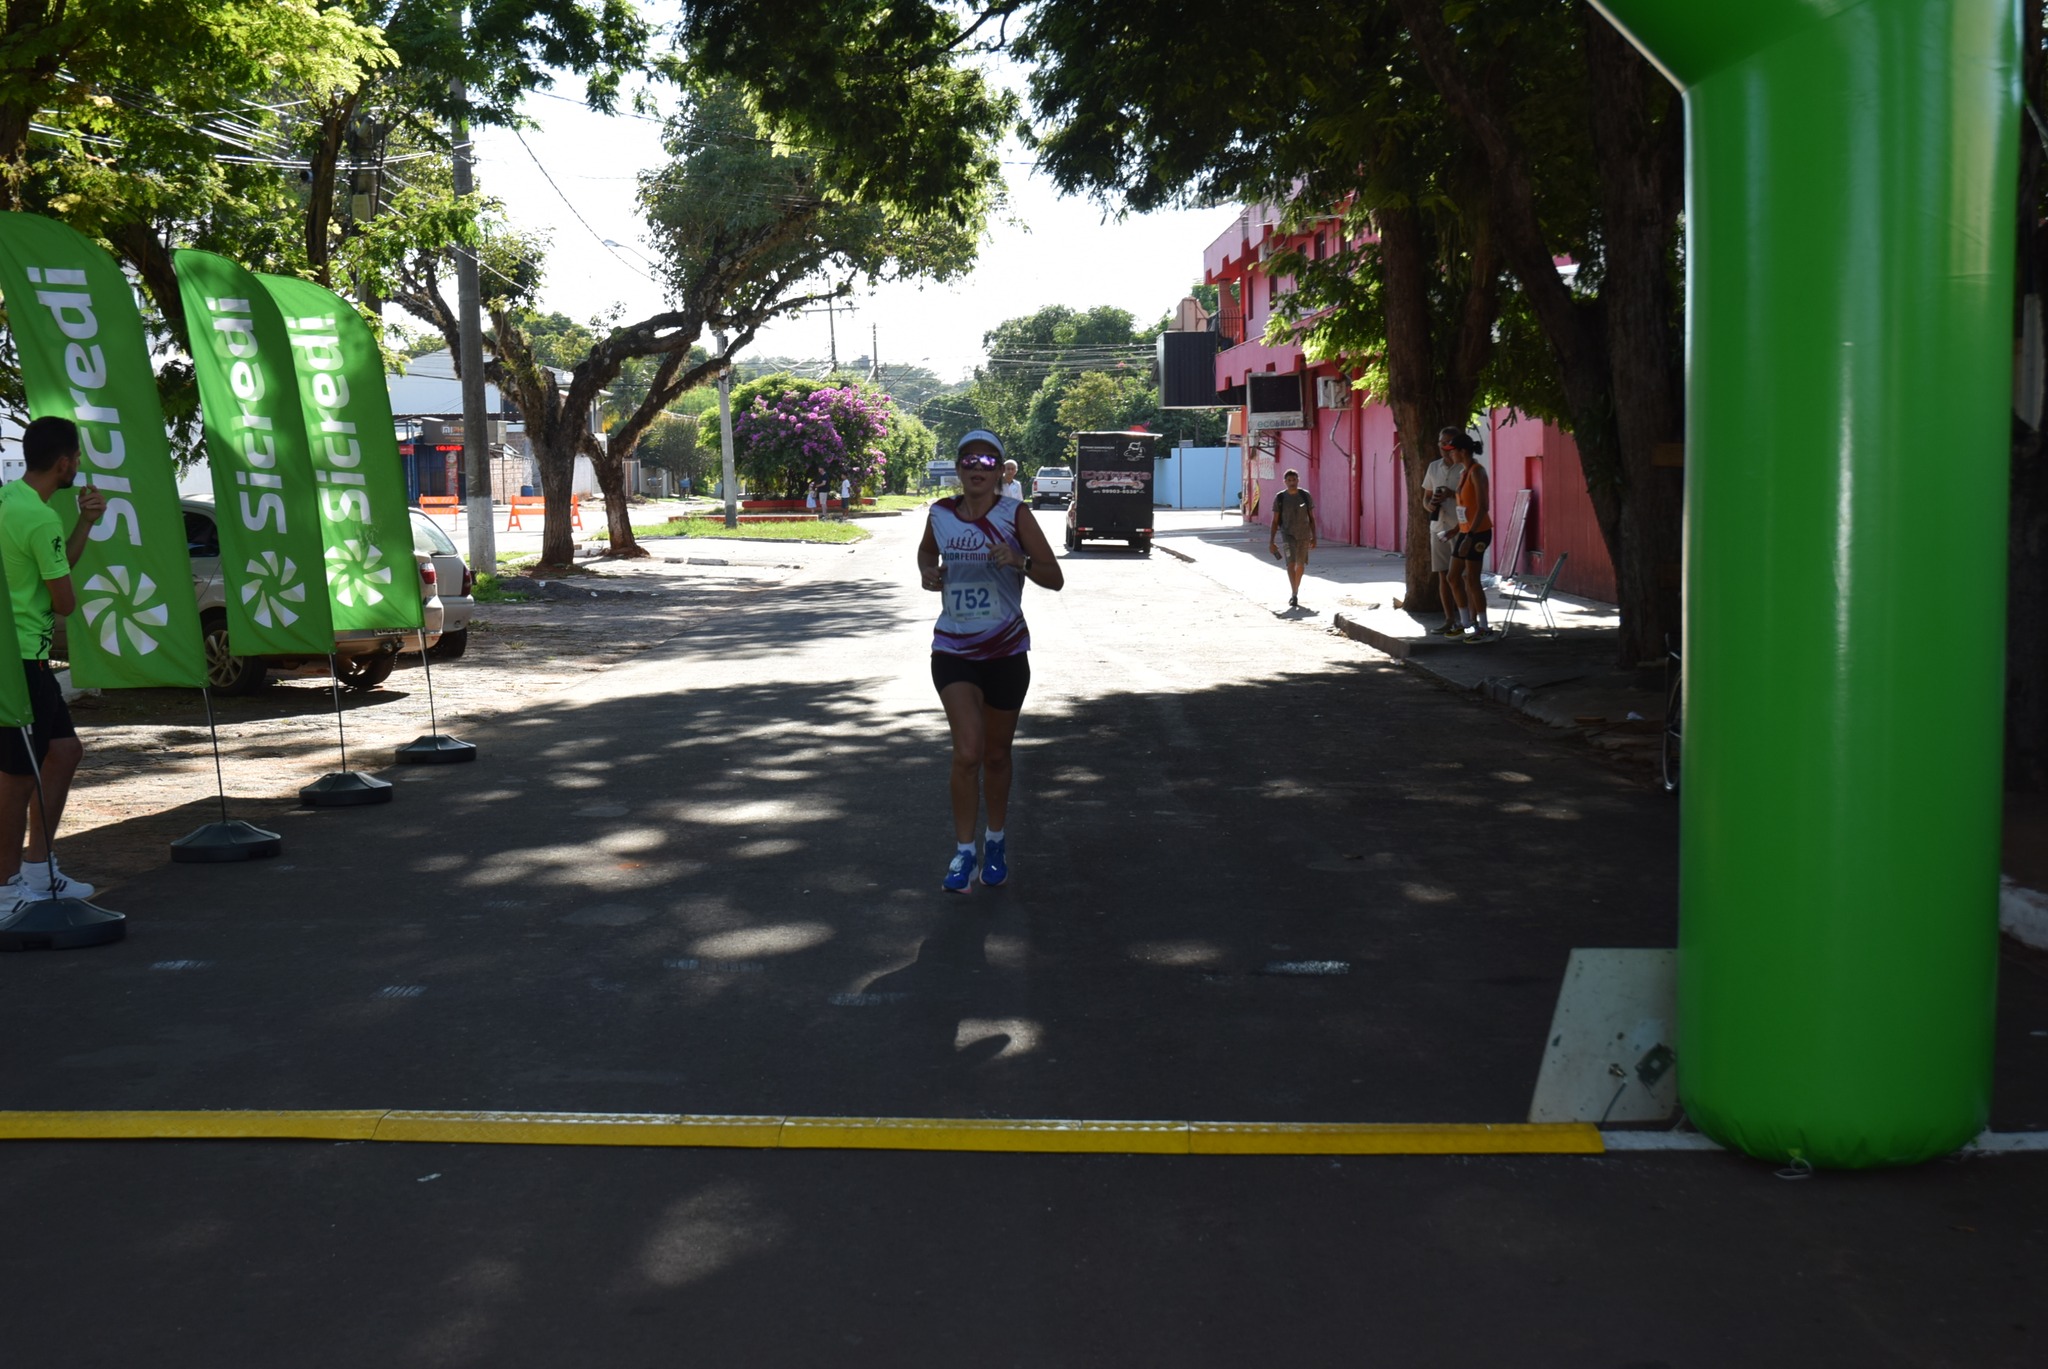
x=1027 y=565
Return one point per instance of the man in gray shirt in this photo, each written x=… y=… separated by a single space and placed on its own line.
x=1439 y=491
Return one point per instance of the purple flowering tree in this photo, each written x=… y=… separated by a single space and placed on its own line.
x=795 y=439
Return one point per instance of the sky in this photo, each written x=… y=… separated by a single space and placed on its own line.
x=573 y=178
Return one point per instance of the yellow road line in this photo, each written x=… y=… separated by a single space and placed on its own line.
x=580 y=1129
x=1042 y=1136
x=351 y=1125
x=947 y=1133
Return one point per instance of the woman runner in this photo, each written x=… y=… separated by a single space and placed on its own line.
x=978 y=550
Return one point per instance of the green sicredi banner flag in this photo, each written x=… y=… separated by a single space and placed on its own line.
x=371 y=579
x=270 y=548
x=84 y=357
x=15 y=709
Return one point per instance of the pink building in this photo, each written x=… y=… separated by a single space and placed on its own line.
x=1291 y=414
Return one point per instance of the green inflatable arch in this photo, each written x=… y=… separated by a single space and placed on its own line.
x=1850 y=203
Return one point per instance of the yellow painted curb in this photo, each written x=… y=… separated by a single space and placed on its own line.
x=1034 y=1136
x=580 y=1129
x=1394 y=1138
x=355 y=1125
x=985 y=1134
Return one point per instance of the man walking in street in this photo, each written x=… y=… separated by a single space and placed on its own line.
x=38 y=558
x=1439 y=496
x=1294 y=519
x=1013 y=488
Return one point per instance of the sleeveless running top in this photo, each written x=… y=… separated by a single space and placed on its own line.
x=1472 y=515
x=981 y=609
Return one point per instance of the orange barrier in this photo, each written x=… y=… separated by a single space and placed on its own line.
x=435 y=505
x=537 y=503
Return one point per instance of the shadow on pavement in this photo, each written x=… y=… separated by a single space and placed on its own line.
x=727 y=901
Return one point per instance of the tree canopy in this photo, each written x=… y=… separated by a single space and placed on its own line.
x=1465 y=151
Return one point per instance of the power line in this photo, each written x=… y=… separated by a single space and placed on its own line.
x=601 y=240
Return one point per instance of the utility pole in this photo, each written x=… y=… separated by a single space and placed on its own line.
x=476 y=437
x=832 y=332
x=731 y=476
x=874 y=354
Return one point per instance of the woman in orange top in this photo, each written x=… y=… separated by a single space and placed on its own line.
x=1475 y=535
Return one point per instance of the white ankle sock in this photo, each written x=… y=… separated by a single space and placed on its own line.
x=994 y=834
x=967 y=846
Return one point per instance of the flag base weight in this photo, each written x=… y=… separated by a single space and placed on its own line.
x=60 y=924
x=435 y=749
x=218 y=842
x=345 y=789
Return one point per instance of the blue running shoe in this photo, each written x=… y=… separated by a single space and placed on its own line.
x=960 y=873
x=994 y=869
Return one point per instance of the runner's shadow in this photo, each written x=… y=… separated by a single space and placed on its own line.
x=949 y=961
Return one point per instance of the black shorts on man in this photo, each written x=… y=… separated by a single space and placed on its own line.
x=52 y=721
x=1003 y=682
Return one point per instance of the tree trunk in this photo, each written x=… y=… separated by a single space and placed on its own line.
x=1638 y=141
x=330 y=136
x=618 y=510
x=1412 y=390
x=555 y=453
x=18 y=20
x=1616 y=468
x=1432 y=381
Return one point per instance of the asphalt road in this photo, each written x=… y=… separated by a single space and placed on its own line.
x=706 y=881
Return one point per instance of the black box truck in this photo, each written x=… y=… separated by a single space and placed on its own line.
x=1112 y=490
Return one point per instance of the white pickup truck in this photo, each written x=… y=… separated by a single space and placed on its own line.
x=1052 y=485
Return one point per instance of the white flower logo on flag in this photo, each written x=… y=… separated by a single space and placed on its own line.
x=272 y=588
x=122 y=609
x=354 y=570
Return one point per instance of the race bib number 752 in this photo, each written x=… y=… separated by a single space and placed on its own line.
x=972 y=604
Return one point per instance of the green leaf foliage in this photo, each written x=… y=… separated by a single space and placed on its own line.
x=875 y=88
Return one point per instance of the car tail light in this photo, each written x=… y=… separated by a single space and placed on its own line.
x=468 y=582
x=427 y=576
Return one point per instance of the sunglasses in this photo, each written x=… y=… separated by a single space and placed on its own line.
x=978 y=462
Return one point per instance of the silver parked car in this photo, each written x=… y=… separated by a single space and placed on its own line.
x=362 y=659
x=455 y=585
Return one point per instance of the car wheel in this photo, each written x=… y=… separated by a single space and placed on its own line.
x=451 y=646
x=366 y=672
x=1073 y=542
x=225 y=671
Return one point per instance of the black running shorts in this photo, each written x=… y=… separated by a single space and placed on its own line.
x=52 y=721
x=1003 y=682
x=1471 y=546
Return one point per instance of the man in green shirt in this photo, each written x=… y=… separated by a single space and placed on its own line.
x=38 y=557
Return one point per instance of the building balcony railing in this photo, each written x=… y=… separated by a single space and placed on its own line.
x=1228 y=324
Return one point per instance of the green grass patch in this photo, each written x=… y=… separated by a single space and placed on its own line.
x=488 y=590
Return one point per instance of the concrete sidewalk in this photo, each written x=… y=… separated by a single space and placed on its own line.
x=1569 y=680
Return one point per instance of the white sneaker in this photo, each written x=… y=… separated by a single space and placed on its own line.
x=12 y=895
x=37 y=883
